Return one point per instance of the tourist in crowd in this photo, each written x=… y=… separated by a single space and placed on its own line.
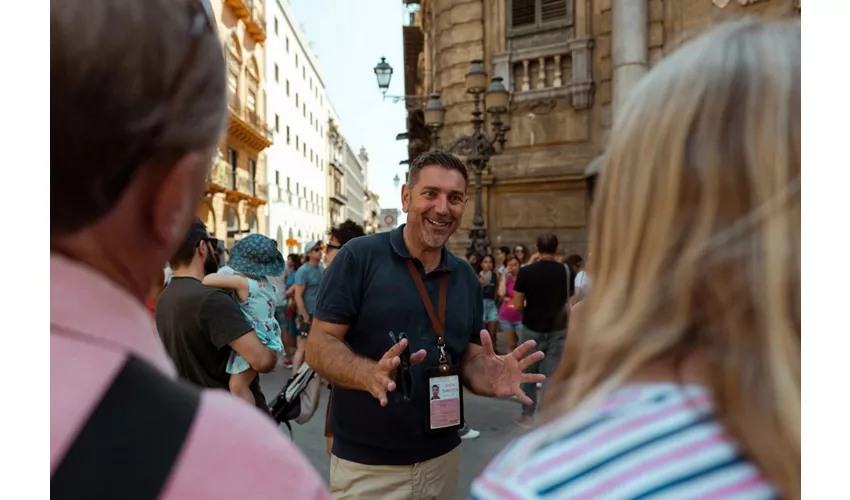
x=202 y=327
x=138 y=96
x=307 y=280
x=540 y=294
x=289 y=326
x=510 y=319
x=521 y=253
x=337 y=237
x=503 y=254
x=253 y=258
x=686 y=381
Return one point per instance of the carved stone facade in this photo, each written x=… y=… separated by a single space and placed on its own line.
x=564 y=64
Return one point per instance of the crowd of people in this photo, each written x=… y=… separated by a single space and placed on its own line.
x=670 y=359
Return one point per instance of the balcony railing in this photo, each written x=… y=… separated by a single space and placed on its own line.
x=221 y=174
x=256 y=120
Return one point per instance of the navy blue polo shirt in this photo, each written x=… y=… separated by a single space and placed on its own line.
x=369 y=288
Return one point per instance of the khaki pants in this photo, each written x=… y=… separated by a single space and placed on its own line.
x=434 y=479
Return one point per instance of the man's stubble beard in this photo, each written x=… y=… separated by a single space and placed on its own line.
x=210 y=264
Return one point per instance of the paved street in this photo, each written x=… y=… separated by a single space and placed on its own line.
x=493 y=417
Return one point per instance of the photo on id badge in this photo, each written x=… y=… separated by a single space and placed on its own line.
x=445 y=400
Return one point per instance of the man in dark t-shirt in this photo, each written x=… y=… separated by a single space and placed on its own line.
x=540 y=294
x=200 y=326
x=379 y=287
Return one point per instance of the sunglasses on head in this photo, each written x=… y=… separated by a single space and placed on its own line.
x=209 y=239
x=330 y=246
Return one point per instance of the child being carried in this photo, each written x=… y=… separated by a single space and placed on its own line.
x=253 y=257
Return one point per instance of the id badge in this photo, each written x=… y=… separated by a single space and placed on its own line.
x=445 y=400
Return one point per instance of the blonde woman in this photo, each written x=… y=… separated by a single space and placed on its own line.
x=685 y=380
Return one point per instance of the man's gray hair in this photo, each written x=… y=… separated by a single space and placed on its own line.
x=113 y=64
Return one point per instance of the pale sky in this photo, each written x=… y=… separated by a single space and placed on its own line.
x=349 y=38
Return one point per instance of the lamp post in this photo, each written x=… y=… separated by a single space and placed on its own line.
x=479 y=146
x=384 y=74
x=396 y=181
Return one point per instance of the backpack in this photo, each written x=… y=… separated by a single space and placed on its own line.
x=298 y=399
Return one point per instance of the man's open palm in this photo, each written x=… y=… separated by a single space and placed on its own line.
x=507 y=373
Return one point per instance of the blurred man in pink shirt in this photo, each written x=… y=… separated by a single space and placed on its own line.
x=138 y=98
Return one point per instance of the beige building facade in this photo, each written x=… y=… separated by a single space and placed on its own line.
x=569 y=64
x=237 y=189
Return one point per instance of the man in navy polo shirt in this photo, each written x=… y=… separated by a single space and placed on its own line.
x=405 y=282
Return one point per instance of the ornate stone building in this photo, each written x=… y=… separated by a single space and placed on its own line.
x=236 y=192
x=568 y=64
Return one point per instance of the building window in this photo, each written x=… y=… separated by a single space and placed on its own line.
x=287 y=87
x=311 y=118
x=304 y=146
x=276 y=123
x=304 y=110
x=311 y=156
x=276 y=73
x=304 y=72
x=296 y=60
x=296 y=99
x=277 y=178
x=288 y=186
x=252 y=175
x=322 y=100
x=529 y=15
x=287 y=134
x=287 y=45
x=232 y=157
x=311 y=83
x=297 y=143
x=252 y=101
x=275 y=26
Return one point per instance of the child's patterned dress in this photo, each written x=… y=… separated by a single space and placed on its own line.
x=258 y=309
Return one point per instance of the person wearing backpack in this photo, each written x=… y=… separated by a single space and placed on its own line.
x=137 y=110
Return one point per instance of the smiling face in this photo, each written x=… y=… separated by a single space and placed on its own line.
x=434 y=205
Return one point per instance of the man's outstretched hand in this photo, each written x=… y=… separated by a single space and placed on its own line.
x=507 y=373
x=381 y=380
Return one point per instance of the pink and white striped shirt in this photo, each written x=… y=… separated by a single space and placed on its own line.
x=645 y=441
x=231 y=451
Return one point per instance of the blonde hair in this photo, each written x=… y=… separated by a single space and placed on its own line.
x=696 y=240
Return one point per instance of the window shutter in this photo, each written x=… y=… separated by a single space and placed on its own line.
x=522 y=13
x=553 y=10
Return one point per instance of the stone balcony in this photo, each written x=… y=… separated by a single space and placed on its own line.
x=549 y=71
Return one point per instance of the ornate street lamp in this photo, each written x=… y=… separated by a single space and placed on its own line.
x=479 y=146
x=384 y=73
x=396 y=180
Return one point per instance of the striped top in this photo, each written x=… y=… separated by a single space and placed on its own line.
x=644 y=441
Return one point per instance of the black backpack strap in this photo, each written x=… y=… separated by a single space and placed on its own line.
x=130 y=442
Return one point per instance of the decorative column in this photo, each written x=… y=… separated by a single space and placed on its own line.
x=629 y=53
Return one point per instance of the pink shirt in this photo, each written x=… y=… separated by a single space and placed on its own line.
x=94 y=325
x=507 y=311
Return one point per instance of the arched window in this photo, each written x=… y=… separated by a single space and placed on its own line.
x=233 y=54
x=280 y=241
x=252 y=80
